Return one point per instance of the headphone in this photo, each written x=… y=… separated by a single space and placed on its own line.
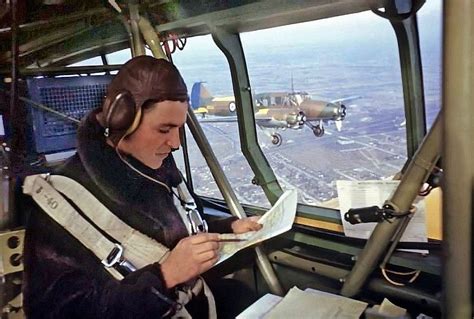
x=122 y=114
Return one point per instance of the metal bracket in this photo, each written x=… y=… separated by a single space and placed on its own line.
x=11 y=256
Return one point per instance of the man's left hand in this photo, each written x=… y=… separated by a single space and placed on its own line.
x=246 y=224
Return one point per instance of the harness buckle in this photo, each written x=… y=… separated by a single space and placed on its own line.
x=115 y=259
x=114 y=256
x=198 y=225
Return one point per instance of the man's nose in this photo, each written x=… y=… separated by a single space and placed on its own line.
x=174 y=141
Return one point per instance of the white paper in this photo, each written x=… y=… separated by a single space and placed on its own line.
x=357 y=194
x=276 y=221
x=314 y=304
x=387 y=308
x=261 y=307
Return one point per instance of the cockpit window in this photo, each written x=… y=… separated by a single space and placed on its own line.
x=207 y=75
x=429 y=26
x=345 y=115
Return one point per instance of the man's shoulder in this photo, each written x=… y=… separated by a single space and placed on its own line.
x=72 y=168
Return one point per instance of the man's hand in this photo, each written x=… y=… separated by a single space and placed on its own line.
x=191 y=257
x=246 y=224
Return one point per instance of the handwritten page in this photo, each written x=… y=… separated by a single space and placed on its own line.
x=316 y=304
x=276 y=221
x=357 y=194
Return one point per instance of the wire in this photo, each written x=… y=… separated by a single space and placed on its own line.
x=415 y=274
x=137 y=171
x=176 y=43
x=426 y=191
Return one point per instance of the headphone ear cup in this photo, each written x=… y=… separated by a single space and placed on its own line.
x=121 y=112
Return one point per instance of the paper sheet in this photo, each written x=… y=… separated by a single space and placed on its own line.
x=261 y=307
x=276 y=221
x=387 y=310
x=357 y=194
x=316 y=304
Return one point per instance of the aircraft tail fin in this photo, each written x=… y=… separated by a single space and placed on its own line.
x=200 y=96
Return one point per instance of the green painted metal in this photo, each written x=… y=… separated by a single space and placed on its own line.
x=319 y=213
x=428 y=264
x=458 y=151
x=104 y=39
x=243 y=16
x=406 y=31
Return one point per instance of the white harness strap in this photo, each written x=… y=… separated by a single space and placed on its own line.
x=139 y=249
x=136 y=250
x=65 y=215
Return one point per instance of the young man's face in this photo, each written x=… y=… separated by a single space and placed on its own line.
x=158 y=133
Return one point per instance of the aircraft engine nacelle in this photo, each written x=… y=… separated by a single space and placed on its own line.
x=295 y=120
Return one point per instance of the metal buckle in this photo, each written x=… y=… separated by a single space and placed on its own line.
x=115 y=259
x=198 y=225
x=114 y=256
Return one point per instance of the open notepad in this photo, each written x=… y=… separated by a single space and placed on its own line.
x=276 y=221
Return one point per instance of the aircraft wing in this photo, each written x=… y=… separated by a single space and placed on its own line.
x=345 y=99
x=262 y=121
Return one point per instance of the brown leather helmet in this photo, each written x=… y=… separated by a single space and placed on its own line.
x=142 y=79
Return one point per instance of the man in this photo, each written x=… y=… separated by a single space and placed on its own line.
x=124 y=159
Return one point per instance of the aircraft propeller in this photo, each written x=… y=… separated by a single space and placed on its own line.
x=343 y=113
x=301 y=118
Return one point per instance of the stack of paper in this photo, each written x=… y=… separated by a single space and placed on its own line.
x=300 y=304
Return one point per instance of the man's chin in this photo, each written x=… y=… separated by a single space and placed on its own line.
x=156 y=164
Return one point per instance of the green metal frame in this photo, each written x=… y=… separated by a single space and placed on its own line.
x=406 y=31
x=458 y=148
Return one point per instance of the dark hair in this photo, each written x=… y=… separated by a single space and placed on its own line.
x=148 y=104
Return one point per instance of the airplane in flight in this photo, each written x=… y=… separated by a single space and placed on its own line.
x=274 y=111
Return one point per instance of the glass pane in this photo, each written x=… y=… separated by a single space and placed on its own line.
x=92 y=61
x=430 y=28
x=207 y=75
x=342 y=75
x=119 y=57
